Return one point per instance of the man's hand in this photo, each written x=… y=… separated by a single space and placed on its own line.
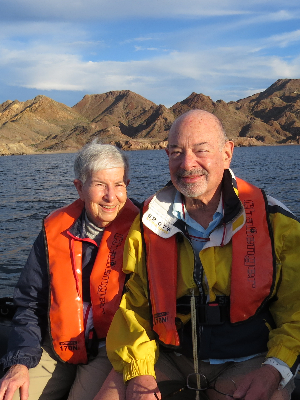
x=16 y=378
x=143 y=388
x=259 y=384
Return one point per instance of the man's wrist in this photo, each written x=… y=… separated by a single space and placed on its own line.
x=284 y=370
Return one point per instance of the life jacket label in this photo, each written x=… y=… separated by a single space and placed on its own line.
x=161 y=226
x=251 y=231
x=110 y=263
x=68 y=345
x=161 y=317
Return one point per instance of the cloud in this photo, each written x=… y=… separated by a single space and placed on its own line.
x=163 y=79
x=157 y=49
x=276 y=16
x=123 y=9
x=138 y=39
x=260 y=18
x=163 y=49
x=284 y=39
x=38 y=31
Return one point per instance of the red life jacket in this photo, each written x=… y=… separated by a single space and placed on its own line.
x=251 y=271
x=65 y=273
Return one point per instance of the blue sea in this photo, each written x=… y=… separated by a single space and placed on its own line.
x=34 y=185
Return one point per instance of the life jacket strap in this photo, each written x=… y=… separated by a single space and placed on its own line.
x=212 y=313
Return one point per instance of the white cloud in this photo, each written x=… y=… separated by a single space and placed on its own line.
x=40 y=31
x=47 y=46
x=165 y=79
x=277 y=16
x=138 y=39
x=259 y=18
x=284 y=39
x=120 y=9
x=140 y=48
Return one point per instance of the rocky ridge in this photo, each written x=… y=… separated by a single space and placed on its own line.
x=131 y=122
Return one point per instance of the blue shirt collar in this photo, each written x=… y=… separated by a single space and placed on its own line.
x=191 y=223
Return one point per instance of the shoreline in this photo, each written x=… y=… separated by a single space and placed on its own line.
x=145 y=147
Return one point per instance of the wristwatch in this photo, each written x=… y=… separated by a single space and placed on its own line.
x=285 y=372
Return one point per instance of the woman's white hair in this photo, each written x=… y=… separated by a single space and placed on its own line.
x=95 y=157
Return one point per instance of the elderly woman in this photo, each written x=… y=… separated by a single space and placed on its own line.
x=71 y=286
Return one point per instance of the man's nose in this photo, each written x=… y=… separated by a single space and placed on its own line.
x=188 y=161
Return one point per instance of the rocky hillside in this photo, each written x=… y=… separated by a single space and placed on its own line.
x=132 y=122
x=23 y=125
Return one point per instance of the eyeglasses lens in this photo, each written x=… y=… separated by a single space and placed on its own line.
x=197 y=381
x=225 y=386
x=200 y=382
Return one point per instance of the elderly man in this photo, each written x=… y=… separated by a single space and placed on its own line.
x=215 y=277
x=71 y=286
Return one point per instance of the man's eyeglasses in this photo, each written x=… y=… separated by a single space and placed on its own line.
x=226 y=387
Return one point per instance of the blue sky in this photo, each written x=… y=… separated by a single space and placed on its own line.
x=161 y=49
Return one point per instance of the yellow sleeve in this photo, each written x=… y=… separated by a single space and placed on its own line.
x=130 y=342
x=284 y=340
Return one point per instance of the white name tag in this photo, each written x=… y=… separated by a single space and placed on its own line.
x=162 y=226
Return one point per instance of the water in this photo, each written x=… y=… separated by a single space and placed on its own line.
x=34 y=185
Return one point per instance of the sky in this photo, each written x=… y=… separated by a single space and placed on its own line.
x=161 y=49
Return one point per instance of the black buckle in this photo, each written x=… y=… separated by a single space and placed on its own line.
x=210 y=314
x=92 y=344
x=213 y=313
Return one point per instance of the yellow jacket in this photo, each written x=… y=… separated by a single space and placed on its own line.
x=131 y=344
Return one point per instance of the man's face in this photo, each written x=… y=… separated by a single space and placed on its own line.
x=104 y=194
x=198 y=156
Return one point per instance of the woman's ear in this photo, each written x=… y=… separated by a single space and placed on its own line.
x=79 y=185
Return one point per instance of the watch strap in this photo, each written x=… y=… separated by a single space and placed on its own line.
x=284 y=371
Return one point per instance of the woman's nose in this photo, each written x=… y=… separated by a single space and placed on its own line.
x=110 y=194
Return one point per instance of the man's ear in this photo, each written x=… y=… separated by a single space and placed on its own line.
x=78 y=184
x=228 y=153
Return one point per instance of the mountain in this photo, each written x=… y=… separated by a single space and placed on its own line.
x=278 y=107
x=130 y=121
x=26 y=124
x=135 y=116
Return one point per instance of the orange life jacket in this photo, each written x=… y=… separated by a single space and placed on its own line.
x=252 y=267
x=65 y=273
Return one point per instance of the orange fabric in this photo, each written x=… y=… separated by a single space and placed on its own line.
x=65 y=270
x=252 y=266
x=250 y=284
x=107 y=282
x=162 y=278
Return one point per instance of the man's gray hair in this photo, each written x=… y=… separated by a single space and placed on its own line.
x=95 y=157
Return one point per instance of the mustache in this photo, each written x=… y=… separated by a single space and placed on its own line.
x=195 y=172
